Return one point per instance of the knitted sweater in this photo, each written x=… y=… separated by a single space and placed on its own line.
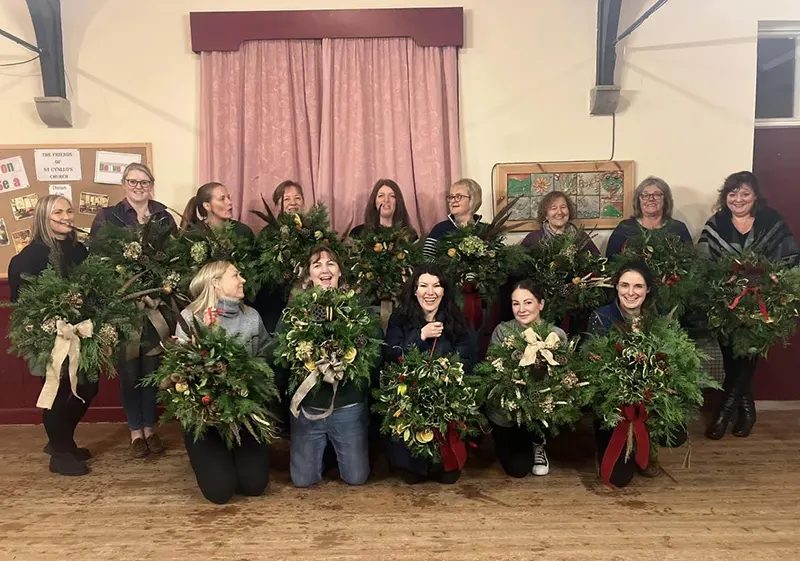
x=236 y=319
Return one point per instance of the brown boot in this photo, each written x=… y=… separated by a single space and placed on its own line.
x=138 y=448
x=154 y=444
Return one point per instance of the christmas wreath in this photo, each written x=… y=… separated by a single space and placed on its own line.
x=211 y=381
x=431 y=405
x=648 y=381
x=283 y=244
x=529 y=380
x=754 y=303
x=83 y=318
x=327 y=337
x=204 y=244
x=572 y=277
x=679 y=279
x=381 y=261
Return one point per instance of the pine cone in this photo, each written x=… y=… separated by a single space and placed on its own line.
x=305 y=232
x=361 y=341
x=317 y=312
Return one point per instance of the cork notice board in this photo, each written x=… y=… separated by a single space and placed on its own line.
x=88 y=174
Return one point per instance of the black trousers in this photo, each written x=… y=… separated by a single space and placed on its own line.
x=221 y=473
x=415 y=470
x=738 y=372
x=67 y=411
x=514 y=448
x=623 y=471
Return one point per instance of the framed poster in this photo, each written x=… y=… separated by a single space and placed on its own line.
x=602 y=191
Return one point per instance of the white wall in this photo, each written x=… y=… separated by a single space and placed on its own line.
x=688 y=79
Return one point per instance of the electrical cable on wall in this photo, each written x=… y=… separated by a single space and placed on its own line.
x=20 y=63
x=613 y=136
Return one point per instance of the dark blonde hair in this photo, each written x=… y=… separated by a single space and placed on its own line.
x=474 y=190
x=134 y=166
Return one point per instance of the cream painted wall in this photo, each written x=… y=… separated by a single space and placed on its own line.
x=688 y=79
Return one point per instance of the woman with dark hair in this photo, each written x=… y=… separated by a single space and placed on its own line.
x=212 y=205
x=385 y=208
x=428 y=316
x=520 y=451
x=139 y=402
x=633 y=285
x=288 y=197
x=743 y=222
x=54 y=243
x=555 y=214
x=652 y=209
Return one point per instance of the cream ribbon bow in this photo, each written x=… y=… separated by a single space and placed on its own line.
x=67 y=345
x=331 y=370
x=538 y=347
x=150 y=307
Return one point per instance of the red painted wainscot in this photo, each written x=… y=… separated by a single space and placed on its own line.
x=19 y=390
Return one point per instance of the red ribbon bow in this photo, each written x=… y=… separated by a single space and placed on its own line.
x=756 y=291
x=473 y=306
x=211 y=315
x=633 y=419
x=452 y=448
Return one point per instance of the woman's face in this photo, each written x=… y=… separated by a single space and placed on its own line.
x=631 y=291
x=558 y=213
x=429 y=293
x=61 y=218
x=526 y=307
x=652 y=201
x=324 y=271
x=231 y=284
x=386 y=202
x=138 y=187
x=292 y=200
x=740 y=201
x=459 y=201
x=220 y=204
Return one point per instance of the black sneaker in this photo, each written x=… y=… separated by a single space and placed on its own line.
x=82 y=454
x=67 y=464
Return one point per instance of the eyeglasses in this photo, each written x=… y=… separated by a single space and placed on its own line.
x=144 y=183
x=651 y=196
x=456 y=198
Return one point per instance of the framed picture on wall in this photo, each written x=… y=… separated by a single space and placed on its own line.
x=602 y=191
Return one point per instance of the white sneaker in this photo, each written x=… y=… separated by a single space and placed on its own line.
x=541 y=465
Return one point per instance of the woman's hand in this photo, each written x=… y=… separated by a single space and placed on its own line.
x=431 y=330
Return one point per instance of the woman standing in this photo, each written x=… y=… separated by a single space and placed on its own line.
x=54 y=243
x=464 y=199
x=212 y=205
x=288 y=196
x=428 y=316
x=221 y=472
x=520 y=452
x=743 y=222
x=386 y=208
x=652 y=209
x=346 y=427
x=633 y=286
x=139 y=402
x=555 y=213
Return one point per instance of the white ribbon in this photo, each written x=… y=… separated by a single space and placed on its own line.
x=536 y=347
x=332 y=371
x=67 y=345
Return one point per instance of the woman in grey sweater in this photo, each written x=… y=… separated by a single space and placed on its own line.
x=518 y=449
x=218 y=290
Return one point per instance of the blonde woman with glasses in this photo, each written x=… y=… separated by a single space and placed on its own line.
x=463 y=200
x=139 y=403
x=54 y=243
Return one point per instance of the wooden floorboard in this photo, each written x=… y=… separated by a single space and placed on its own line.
x=740 y=500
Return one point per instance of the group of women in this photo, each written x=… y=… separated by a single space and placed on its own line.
x=427 y=313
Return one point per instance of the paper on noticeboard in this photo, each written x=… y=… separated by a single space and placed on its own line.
x=108 y=166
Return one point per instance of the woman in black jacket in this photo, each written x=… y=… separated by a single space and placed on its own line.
x=212 y=205
x=428 y=315
x=54 y=243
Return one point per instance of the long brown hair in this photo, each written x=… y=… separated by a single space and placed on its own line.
x=195 y=211
x=372 y=217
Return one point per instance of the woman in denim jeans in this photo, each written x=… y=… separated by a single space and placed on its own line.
x=139 y=402
x=346 y=427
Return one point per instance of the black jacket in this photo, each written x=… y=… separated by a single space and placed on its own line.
x=401 y=335
x=35 y=258
x=123 y=215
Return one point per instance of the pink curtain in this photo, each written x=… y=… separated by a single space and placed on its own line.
x=335 y=116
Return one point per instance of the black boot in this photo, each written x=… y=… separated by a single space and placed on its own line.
x=747 y=416
x=719 y=425
x=67 y=464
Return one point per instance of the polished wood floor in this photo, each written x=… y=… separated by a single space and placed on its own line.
x=740 y=500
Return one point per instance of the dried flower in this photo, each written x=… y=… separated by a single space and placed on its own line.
x=198 y=252
x=547 y=405
x=473 y=245
x=132 y=251
x=73 y=299
x=108 y=335
x=570 y=380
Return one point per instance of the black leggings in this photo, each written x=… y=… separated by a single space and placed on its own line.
x=412 y=469
x=67 y=411
x=738 y=371
x=623 y=471
x=514 y=448
x=221 y=472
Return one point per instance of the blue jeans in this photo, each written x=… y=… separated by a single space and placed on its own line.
x=138 y=402
x=346 y=428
